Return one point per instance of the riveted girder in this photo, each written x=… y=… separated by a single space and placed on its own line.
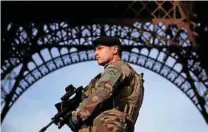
x=157 y=35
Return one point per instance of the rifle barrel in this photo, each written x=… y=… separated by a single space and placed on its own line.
x=44 y=128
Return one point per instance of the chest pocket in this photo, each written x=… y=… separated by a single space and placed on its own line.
x=91 y=87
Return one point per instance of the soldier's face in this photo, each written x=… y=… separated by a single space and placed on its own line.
x=104 y=54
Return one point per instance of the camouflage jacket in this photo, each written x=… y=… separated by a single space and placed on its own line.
x=118 y=82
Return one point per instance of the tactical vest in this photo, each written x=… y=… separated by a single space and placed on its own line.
x=91 y=87
x=127 y=98
x=130 y=97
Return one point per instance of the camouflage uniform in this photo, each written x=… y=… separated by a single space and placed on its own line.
x=113 y=100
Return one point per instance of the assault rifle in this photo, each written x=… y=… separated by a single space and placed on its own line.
x=66 y=106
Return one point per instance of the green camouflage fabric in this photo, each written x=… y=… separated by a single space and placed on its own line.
x=111 y=120
x=108 y=121
x=119 y=80
x=104 y=88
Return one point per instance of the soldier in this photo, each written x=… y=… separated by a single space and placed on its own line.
x=114 y=97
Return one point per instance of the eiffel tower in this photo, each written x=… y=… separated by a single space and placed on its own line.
x=166 y=37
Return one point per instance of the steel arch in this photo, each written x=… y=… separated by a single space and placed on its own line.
x=138 y=41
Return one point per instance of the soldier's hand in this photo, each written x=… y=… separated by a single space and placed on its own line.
x=77 y=115
x=81 y=115
x=73 y=122
x=74 y=114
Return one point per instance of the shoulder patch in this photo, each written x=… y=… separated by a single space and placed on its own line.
x=112 y=76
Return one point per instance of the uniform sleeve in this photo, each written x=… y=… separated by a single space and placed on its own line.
x=105 y=86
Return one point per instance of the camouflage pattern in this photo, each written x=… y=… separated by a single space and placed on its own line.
x=108 y=121
x=120 y=82
x=113 y=120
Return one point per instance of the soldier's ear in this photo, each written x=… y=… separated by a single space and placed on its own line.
x=115 y=49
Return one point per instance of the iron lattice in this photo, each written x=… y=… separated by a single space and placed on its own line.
x=163 y=46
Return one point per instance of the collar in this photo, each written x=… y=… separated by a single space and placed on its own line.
x=112 y=63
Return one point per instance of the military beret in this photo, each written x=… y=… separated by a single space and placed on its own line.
x=107 y=41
